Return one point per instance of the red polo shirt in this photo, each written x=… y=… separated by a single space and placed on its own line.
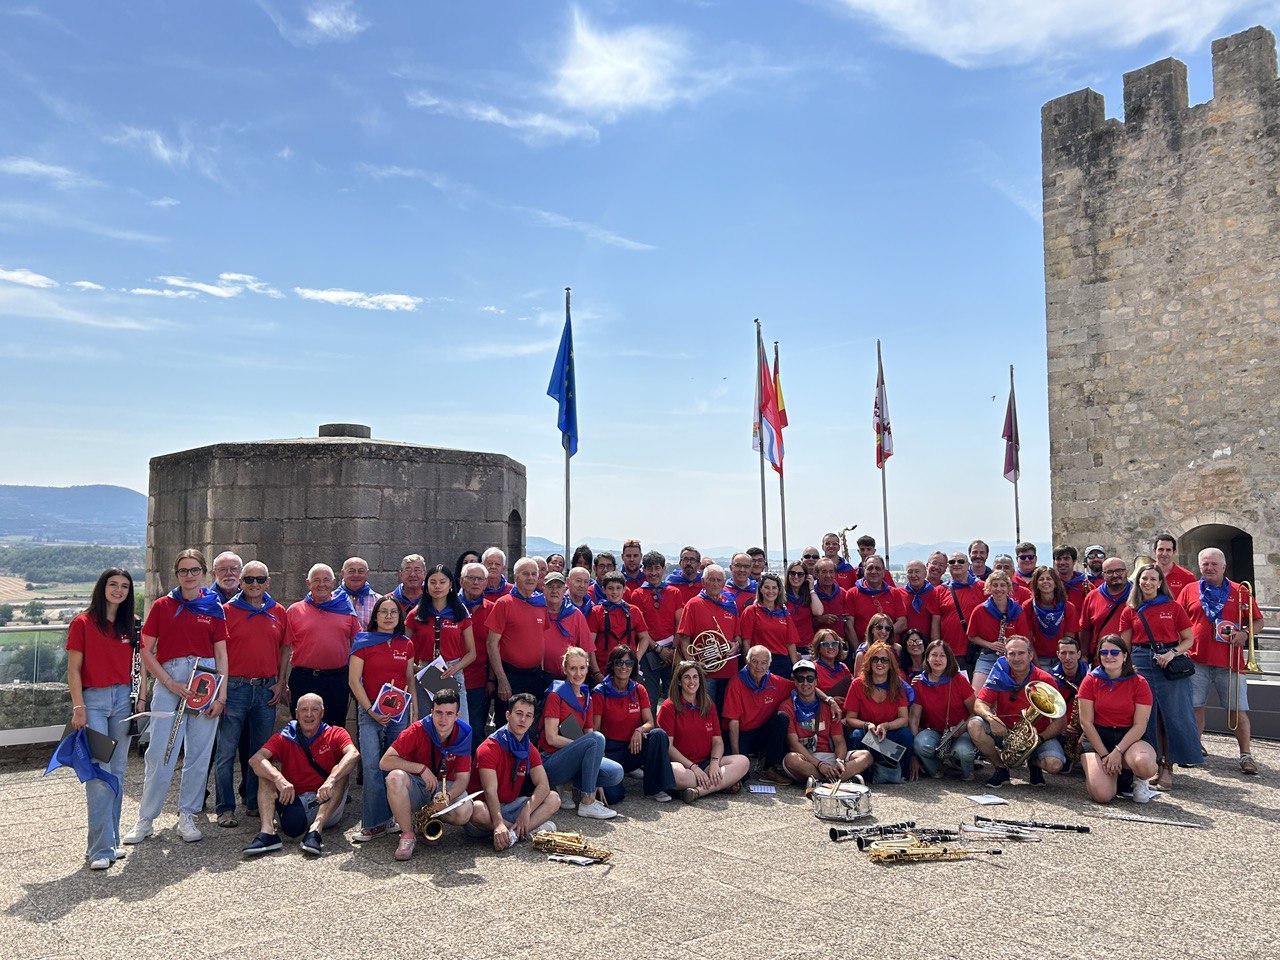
x=751 y=708
x=1101 y=616
x=491 y=755
x=863 y=606
x=757 y=626
x=476 y=673
x=386 y=662
x=327 y=749
x=617 y=718
x=701 y=614
x=659 y=606
x=1177 y=579
x=1208 y=649
x=953 y=630
x=691 y=732
x=321 y=640
x=108 y=658
x=942 y=704
x=1046 y=646
x=555 y=643
x=1166 y=620
x=254 y=641
x=185 y=635
x=1114 y=703
x=825 y=726
x=416 y=746
x=870 y=710
x=921 y=619
x=1008 y=705
x=984 y=626
x=521 y=626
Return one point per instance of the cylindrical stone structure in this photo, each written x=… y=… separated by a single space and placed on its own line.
x=294 y=503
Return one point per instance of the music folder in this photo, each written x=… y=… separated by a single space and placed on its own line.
x=570 y=728
x=432 y=680
x=101 y=746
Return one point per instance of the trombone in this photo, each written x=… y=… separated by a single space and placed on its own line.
x=1245 y=603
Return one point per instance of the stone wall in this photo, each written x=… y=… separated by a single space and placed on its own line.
x=293 y=503
x=1162 y=293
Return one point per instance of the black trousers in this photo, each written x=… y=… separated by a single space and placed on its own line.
x=332 y=687
x=767 y=741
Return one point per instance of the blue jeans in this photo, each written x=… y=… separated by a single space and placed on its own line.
x=926 y=748
x=248 y=707
x=653 y=758
x=584 y=763
x=195 y=740
x=374 y=740
x=881 y=770
x=1172 y=701
x=105 y=711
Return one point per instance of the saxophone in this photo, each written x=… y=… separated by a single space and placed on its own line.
x=1072 y=735
x=1043 y=699
x=570 y=842
x=911 y=848
x=425 y=821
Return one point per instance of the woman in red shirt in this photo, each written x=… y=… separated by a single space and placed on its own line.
x=943 y=701
x=99 y=663
x=803 y=605
x=1115 y=705
x=692 y=722
x=620 y=711
x=768 y=622
x=879 y=630
x=1051 y=616
x=379 y=656
x=998 y=617
x=440 y=626
x=833 y=673
x=877 y=702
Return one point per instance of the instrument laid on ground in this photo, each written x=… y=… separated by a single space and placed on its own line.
x=1250 y=653
x=568 y=843
x=911 y=848
x=1034 y=824
x=1043 y=700
x=922 y=836
x=845 y=834
x=1135 y=818
x=711 y=649
x=1001 y=831
x=427 y=820
x=844 y=801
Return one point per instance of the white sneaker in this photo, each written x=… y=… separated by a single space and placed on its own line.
x=566 y=799
x=662 y=796
x=595 y=810
x=141 y=830
x=1143 y=792
x=102 y=863
x=636 y=774
x=187 y=829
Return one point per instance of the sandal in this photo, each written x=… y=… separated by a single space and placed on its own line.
x=736 y=788
x=1164 y=779
x=1247 y=765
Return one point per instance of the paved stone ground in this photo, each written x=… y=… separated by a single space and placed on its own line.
x=747 y=876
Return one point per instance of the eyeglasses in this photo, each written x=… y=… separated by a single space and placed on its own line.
x=1113 y=573
x=796 y=573
x=248 y=579
x=879 y=659
x=1026 y=556
x=189 y=571
x=1111 y=653
x=810 y=556
x=808 y=678
x=624 y=663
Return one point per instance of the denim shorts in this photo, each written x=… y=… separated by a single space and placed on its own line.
x=1220 y=679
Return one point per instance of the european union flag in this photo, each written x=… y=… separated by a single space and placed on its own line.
x=562 y=388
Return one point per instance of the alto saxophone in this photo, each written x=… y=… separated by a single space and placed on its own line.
x=909 y=848
x=1072 y=735
x=425 y=821
x=570 y=842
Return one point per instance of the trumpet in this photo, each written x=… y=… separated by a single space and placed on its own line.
x=711 y=649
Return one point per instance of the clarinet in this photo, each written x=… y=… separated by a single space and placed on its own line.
x=1035 y=824
x=845 y=834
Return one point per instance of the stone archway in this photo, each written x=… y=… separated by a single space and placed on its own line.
x=515 y=537
x=1235 y=543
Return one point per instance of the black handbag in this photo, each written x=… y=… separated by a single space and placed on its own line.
x=1177 y=668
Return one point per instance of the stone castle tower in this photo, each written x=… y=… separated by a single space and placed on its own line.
x=1162 y=292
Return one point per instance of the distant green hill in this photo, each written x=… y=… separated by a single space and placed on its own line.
x=90 y=514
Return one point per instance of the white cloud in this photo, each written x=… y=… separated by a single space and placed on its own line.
x=61 y=177
x=285 y=153
x=505 y=349
x=163 y=202
x=251 y=283
x=213 y=290
x=45 y=305
x=533 y=127
x=490 y=308
x=982 y=32
x=355 y=298
x=590 y=230
x=326 y=20
x=87 y=285
x=27 y=278
x=23 y=215
x=174 y=152
x=170 y=294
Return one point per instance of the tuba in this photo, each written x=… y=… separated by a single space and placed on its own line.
x=711 y=650
x=1043 y=700
x=1140 y=561
x=568 y=842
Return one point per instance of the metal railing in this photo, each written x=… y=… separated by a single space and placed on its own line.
x=34 y=702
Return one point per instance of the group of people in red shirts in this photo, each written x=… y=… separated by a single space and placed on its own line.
x=593 y=672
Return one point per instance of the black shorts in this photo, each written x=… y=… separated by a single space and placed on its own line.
x=1110 y=737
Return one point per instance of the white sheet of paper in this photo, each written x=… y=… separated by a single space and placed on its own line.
x=151 y=713
x=762 y=788
x=989 y=800
x=438 y=663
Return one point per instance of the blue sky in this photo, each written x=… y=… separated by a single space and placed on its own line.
x=241 y=220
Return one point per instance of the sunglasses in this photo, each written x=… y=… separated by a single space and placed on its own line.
x=189 y=571
x=248 y=579
x=810 y=556
x=1026 y=556
x=1111 y=653
x=957 y=563
x=807 y=678
x=882 y=626
x=879 y=659
x=624 y=663
x=796 y=573
x=829 y=643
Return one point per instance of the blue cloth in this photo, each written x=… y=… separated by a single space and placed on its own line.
x=461 y=746
x=518 y=748
x=566 y=607
x=1049 y=619
x=1060 y=675
x=359 y=595
x=1012 y=609
x=207 y=604
x=1101 y=674
x=724 y=602
x=835 y=592
x=578 y=697
x=745 y=676
x=842 y=565
x=917 y=596
x=607 y=689
x=338 y=603
x=964 y=583
x=498 y=590
x=1124 y=594
x=563 y=387
x=751 y=588
x=73 y=751
x=537 y=600
x=369 y=638
x=806 y=713
x=676 y=578
x=863 y=588
x=1213 y=599
x=1077 y=578
x=398 y=595
x=240 y=603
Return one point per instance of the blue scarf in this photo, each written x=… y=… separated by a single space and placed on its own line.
x=398 y=595
x=566 y=608
x=834 y=671
x=496 y=591
x=778 y=612
x=863 y=588
x=1049 y=619
x=338 y=603
x=675 y=578
x=1124 y=594
x=73 y=751
x=1060 y=674
x=724 y=602
x=906 y=688
x=1160 y=598
x=240 y=603
x=370 y=638
x=1101 y=674
x=1077 y=578
x=1012 y=609
x=1095 y=580
x=579 y=697
x=1001 y=679
x=360 y=595
x=207 y=604
x=835 y=592
x=964 y=583
x=842 y=565
x=294 y=734
x=806 y=713
x=586 y=606
x=917 y=596
x=657 y=593
x=471 y=604
x=745 y=676
x=607 y=689
x=507 y=740
x=461 y=746
x=924 y=678
x=537 y=600
x=636 y=580
x=1213 y=599
x=736 y=590
x=596 y=592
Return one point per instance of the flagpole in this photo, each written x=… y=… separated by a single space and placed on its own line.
x=884 y=465
x=564 y=440
x=782 y=483
x=764 y=522
x=1017 y=512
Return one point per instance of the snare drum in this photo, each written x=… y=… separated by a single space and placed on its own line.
x=850 y=801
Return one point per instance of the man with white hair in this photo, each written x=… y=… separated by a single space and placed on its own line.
x=226 y=575
x=1218 y=625
x=712 y=609
x=495 y=563
x=517 y=624
x=320 y=629
x=476 y=674
x=355 y=584
x=413 y=575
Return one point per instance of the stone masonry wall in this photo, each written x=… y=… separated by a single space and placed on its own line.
x=1162 y=294
x=293 y=503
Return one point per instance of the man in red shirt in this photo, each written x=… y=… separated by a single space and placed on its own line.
x=429 y=758
x=919 y=599
x=1017 y=591
x=1025 y=554
x=615 y=622
x=661 y=603
x=867 y=550
x=872 y=594
x=413 y=573
x=515 y=642
x=978 y=553
x=1073 y=581
x=1219 y=618
x=834 y=615
x=503 y=762
x=759 y=562
x=631 y=567
x=688 y=579
x=1094 y=555
x=846 y=574
x=476 y=674
x=935 y=568
x=1176 y=577
x=495 y=562
x=566 y=627
x=961 y=594
x=320 y=629
x=999 y=706
x=711 y=609
x=306 y=787
x=740 y=585
x=755 y=727
x=1104 y=605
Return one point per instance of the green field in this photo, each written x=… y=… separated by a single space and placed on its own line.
x=47 y=638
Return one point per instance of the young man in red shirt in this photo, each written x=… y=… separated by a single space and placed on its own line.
x=306 y=787
x=632 y=569
x=661 y=603
x=503 y=762
x=1176 y=576
x=846 y=574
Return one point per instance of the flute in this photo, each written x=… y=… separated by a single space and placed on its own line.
x=179 y=713
x=1035 y=824
x=845 y=834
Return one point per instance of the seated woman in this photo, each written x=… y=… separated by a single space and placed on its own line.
x=692 y=723
x=579 y=758
x=833 y=673
x=620 y=711
x=815 y=732
x=1115 y=705
x=878 y=702
x=943 y=701
x=911 y=657
x=381 y=655
x=879 y=630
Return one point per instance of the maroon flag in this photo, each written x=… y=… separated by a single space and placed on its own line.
x=1010 y=435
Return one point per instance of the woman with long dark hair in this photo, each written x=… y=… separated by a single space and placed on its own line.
x=440 y=626
x=99 y=660
x=877 y=703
